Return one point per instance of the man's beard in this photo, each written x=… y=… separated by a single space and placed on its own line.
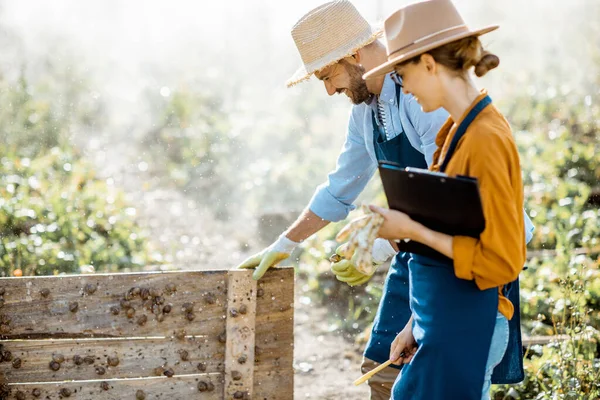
x=357 y=90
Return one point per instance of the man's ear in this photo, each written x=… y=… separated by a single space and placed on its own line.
x=357 y=56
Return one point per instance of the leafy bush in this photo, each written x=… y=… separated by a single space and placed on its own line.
x=56 y=216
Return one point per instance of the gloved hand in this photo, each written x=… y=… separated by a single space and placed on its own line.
x=345 y=270
x=269 y=257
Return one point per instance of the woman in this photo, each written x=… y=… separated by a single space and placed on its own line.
x=459 y=329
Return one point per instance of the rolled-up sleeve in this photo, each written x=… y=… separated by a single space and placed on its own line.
x=334 y=199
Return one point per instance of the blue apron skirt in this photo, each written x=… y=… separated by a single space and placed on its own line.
x=453 y=326
x=394 y=310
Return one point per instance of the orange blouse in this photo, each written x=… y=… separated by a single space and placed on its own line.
x=488 y=152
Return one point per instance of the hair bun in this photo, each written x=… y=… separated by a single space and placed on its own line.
x=488 y=62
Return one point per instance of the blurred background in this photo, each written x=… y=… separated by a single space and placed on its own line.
x=143 y=135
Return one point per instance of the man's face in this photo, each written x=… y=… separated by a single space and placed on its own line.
x=345 y=77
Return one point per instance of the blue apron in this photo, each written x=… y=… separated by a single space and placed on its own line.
x=394 y=310
x=453 y=323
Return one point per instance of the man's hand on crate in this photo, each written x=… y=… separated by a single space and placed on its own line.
x=269 y=257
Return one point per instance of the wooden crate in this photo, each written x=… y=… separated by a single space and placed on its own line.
x=220 y=334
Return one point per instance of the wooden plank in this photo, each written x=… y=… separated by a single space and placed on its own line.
x=274 y=352
x=239 y=349
x=111 y=358
x=26 y=313
x=184 y=387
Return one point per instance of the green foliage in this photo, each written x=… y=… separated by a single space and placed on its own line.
x=36 y=116
x=56 y=216
x=191 y=142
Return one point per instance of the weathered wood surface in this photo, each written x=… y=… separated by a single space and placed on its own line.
x=31 y=315
x=134 y=358
x=239 y=353
x=27 y=317
x=274 y=351
x=176 y=388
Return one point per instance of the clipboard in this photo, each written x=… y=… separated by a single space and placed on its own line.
x=451 y=205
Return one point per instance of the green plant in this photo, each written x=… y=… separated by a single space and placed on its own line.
x=57 y=216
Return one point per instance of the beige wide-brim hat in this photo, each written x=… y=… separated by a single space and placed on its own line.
x=420 y=27
x=327 y=34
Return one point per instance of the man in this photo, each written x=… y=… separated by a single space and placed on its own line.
x=337 y=45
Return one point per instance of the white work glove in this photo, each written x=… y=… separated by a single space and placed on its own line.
x=269 y=257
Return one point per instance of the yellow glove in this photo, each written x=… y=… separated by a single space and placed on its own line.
x=345 y=270
x=269 y=257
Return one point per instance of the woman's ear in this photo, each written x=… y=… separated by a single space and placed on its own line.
x=429 y=63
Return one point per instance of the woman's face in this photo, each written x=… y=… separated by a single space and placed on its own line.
x=422 y=81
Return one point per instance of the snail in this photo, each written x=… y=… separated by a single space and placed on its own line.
x=170 y=288
x=113 y=361
x=59 y=358
x=184 y=354
x=90 y=288
x=210 y=298
x=89 y=360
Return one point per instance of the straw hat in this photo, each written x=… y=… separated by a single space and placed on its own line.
x=419 y=27
x=328 y=34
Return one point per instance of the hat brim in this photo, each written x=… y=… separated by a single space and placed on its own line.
x=388 y=66
x=302 y=74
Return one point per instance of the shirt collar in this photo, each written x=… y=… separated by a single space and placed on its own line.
x=388 y=92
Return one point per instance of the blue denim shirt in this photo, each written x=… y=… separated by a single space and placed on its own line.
x=357 y=163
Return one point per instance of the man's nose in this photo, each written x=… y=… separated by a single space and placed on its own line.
x=330 y=89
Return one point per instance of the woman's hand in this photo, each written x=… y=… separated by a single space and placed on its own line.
x=403 y=347
x=396 y=224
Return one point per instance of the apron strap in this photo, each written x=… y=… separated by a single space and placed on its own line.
x=462 y=128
